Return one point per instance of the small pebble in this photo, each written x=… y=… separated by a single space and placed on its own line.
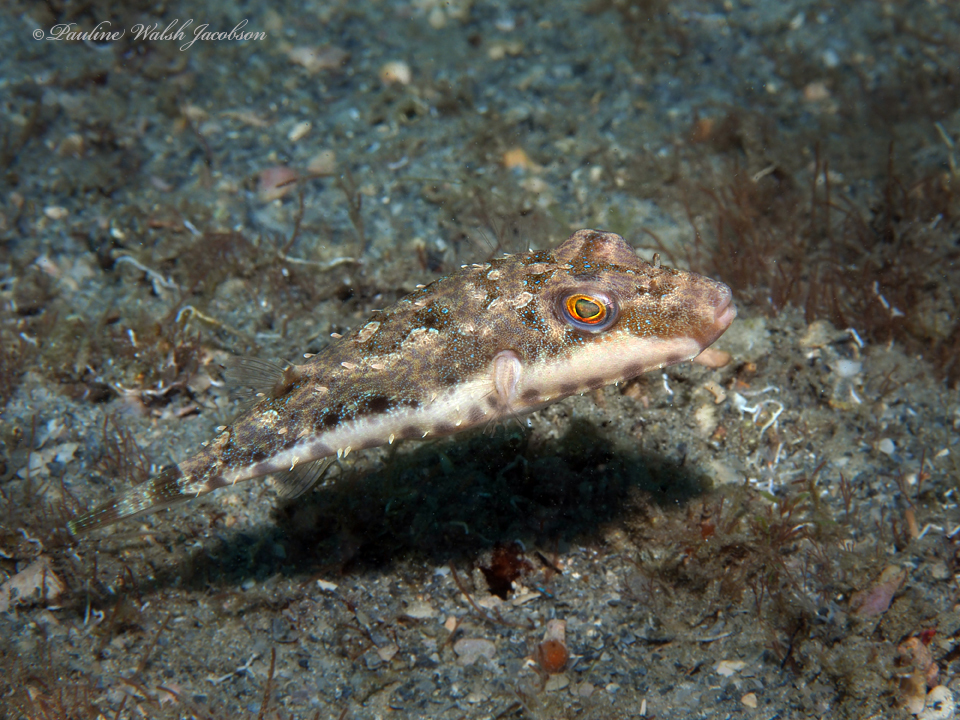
x=552 y=656
x=299 y=131
x=887 y=446
x=516 y=158
x=275 y=182
x=940 y=571
x=819 y=334
x=55 y=212
x=713 y=358
x=71 y=145
x=500 y=50
x=749 y=700
x=816 y=92
x=437 y=18
x=876 y=599
x=940 y=705
x=388 y=651
x=36 y=581
x=475 y=697
x=469 y=650
x=702 y=130
x=706 y=419
x=420 y=611
x=323 y=163
x=195 y=114
x=726 y=668
x=396 y=72
x=556 y=683
x=847 y=368
x=315 y=59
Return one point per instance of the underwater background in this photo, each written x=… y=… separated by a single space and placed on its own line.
x=775 y=536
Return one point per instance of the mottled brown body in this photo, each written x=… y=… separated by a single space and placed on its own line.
x=501 y=338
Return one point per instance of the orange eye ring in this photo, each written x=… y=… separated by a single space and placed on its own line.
x=587 y=309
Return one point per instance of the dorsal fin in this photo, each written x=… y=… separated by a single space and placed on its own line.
x=251 y=379
x=295 y=482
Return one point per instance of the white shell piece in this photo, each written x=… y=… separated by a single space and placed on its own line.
x=940 y=705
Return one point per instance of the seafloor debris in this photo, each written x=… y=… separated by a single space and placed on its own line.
x=876 y=600
x=35 y=583
x=469 y=650
x=552 y=653
x=506 y=566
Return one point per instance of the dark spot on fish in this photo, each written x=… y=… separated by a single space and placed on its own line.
x=216 y=482
x=408 y=432
x=321 y=450
x=448 y=376
x=594 y=383
x=256 y=454
x=632 y=371
x=410 y=403
x=378 y=404
x=531 y=394
x=531 y=318
x=475 y=415
x=329 y=419
x=443 y=429
x=429 y=318
x=493 y=400
x=568 y=388
x=675 y=359
x=247 y=435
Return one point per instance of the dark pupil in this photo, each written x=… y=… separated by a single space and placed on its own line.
x=587 y=309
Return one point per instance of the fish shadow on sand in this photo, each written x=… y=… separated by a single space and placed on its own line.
x=446 y=502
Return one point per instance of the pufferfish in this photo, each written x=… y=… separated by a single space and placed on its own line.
x=495 y=340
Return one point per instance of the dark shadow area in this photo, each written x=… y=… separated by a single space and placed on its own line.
x=448 y=501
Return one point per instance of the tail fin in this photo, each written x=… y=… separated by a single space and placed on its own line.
x=169 y=488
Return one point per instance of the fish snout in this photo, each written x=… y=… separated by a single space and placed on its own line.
x=717 y=311
x=724 y=311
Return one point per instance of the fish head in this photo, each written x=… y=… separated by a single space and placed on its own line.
x=611 y=316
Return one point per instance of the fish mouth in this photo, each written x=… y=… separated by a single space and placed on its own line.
x=725 y=312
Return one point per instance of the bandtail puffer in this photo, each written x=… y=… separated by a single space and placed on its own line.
x=495 y=340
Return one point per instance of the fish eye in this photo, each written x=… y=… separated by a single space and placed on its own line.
x=589 y=312
x=586 y=309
